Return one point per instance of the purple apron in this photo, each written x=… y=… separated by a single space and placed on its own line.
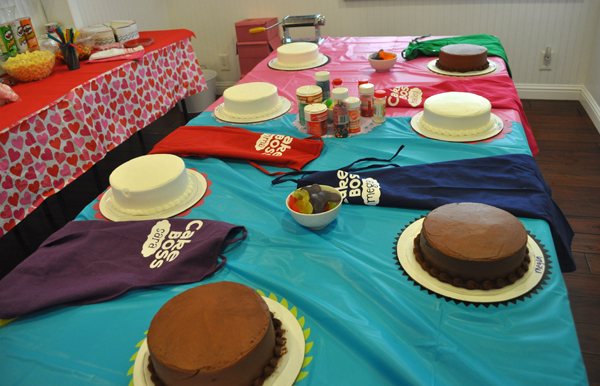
x=93 y=261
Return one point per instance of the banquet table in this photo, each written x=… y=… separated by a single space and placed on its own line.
x=365 y=319
x=66 y=123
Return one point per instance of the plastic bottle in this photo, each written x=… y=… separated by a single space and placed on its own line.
x=341 y=119
x=366 y=92
x=379 y=106
x=354 y=114
x=322 y=80
x=306 y=95
x=337 y=82
x=361 y=82
x=316 y=119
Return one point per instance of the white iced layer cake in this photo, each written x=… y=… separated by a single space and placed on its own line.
x=457 y=114
x=150 y=184
x=298 y=55
x=251 y=100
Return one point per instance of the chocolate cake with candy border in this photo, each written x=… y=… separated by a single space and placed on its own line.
x=462 y=58
x=472 y=246
x=215 y=334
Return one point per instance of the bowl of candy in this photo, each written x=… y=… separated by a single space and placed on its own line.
x=382 y=61
x=314 y=206
x=30 y=66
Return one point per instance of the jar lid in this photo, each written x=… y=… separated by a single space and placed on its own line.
x=339 y=93
x=353 y=102
x=337 y=82
x=310 y=90
x=362 y=81
x=315 y=108
x=380 y=94
x=322 y=76
x=367 y=88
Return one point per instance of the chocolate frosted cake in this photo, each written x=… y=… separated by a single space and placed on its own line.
x=462 y=58
x=215 y=334
x=473 y=246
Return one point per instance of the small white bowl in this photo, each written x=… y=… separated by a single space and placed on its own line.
x=382 y=65
x=319 y=220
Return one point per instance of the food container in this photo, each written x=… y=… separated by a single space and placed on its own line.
x=306 y=95
x=47 y=44
x=316 y=119
x=19 y=35
x=8 y=45
x=354 y=114
x=382 y=65
x=319 y=220
x=102 y=34
x=29 y=33
x=124 y=30
x=30 y=66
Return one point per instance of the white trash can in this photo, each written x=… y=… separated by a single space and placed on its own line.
x=198 y=102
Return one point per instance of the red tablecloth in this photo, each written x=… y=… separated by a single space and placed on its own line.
x=70 y=120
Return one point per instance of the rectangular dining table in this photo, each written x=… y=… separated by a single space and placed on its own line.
x=367 y=317
x=64 y=124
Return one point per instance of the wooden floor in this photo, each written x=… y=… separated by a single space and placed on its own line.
x=569 y=158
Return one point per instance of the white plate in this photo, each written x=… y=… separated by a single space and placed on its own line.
x=409 y=263
x=415 y=122
x=323 y=60
x=285 y=107
x=199 y=188
x=432 y=67
x=287 y=369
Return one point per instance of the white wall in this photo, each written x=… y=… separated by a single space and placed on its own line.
x=149 y=14
x=524 y=27
x=24 y=8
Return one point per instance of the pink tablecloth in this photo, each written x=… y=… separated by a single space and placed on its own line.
x=45 y=151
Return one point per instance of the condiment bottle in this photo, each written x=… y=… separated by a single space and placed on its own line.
x=362 y=81
x=366 y=92
x=379 y=106
x=341 y=119
x=322 y=80
x=316 y=119
x=354 y=114
x=306 y=95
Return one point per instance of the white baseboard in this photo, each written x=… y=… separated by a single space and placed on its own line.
x=591 y=107
x=557 y=92
x=565 y=93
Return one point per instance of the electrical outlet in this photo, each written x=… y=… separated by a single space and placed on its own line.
x=224 y=60
x=547 y=59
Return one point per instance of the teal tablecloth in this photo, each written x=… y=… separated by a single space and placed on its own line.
x=365 y=322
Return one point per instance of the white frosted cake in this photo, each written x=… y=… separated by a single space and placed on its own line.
x=150 y=184
x=457 y=114
x=298 y=55
x=251 y=100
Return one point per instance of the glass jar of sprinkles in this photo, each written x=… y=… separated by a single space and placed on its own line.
x=341 y=119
